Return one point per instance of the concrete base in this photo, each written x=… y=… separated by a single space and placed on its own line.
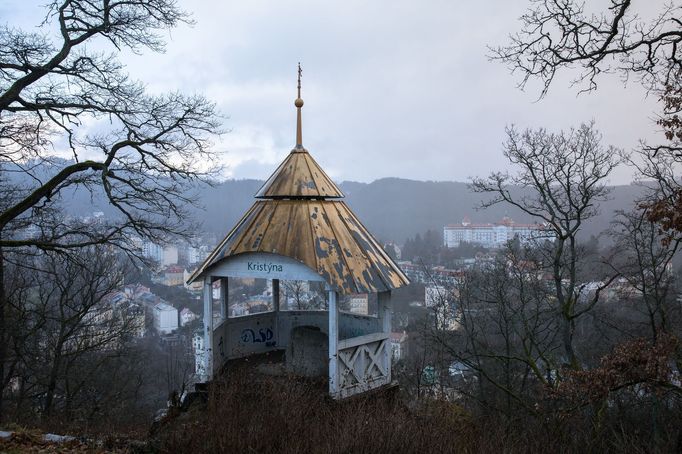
x=307 y=354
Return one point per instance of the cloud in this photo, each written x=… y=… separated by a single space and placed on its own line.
x=397 y=88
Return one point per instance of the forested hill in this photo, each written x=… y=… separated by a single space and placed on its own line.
x=395 y=209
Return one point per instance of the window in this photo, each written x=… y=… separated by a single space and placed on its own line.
x=302 y=296
x=359 y=304
x=249 y=296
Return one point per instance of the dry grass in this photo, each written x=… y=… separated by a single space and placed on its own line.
x=251 y=412
x=248 y=412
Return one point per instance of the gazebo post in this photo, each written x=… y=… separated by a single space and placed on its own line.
x=275 y=304
x=208 y=328
x=223 y=298
x=384 y=302
x=333 y=344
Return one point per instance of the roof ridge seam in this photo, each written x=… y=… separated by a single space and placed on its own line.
x=307 y=164
x=312 y=236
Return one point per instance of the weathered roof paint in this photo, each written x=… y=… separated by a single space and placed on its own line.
x=299 y=176
x=324 y=235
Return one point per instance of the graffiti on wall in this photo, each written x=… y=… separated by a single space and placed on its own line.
x=262 y=336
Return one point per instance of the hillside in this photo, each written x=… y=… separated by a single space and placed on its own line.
x=394 y=209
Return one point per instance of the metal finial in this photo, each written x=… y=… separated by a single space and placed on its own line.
x=300 y=73
x=299 y=103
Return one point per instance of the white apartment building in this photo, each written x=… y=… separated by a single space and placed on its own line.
x=152 y=251
x=398 y=345
x=436 y=295
x=493 y=235
x=196 y=254
x=165 y=318
x=164 y=256
x=359 y=304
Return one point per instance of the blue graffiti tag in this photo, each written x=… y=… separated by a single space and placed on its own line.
x=249 y=336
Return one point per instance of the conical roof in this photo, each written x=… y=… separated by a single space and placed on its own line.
x=299 y=176
x=325 y=235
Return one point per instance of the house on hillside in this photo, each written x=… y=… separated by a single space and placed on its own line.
x=187 y=316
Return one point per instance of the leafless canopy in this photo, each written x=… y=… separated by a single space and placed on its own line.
x=561 y=180
x=140 y=152
x=72 y=120
x=558 y=34
x=565 y=175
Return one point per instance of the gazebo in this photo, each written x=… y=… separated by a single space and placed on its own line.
x=300 y=230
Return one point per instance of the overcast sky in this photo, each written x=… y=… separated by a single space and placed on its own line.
x=392 y=88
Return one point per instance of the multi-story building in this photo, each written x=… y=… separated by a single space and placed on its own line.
x=436 y=295
x=152 y=251
x=196 y=254
x=494 y=235
x=165 y=318
x=170 y=255
x=199 y=353
x=173 y=275
x=359 y=304
x=398 y=343
x=136 y=319
x=432 y=275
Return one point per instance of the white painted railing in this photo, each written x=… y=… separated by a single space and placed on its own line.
x=364 y=363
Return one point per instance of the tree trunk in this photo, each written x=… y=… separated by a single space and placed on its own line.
x=567 y=331
x=3 y=334
x=52 y=382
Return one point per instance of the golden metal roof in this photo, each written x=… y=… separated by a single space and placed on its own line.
x=299 y=176
x=325 y=235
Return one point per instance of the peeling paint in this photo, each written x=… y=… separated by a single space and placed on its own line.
x=299 y=176
x=352 y=260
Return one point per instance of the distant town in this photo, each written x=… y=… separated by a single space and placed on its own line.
x=166 y=308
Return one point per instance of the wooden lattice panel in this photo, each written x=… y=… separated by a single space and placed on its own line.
x=363 y=363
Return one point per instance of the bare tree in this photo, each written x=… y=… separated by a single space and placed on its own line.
x=644 y=259
x=563 y=177
x=72 y=318
x=179 y=366
x=558 y=35
x=562 y=35
x=141 y=153
x=659 y=167
x=508 y=332
x=296 y=290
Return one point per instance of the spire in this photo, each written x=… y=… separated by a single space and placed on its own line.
x=299 y=103
x=299 y=176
